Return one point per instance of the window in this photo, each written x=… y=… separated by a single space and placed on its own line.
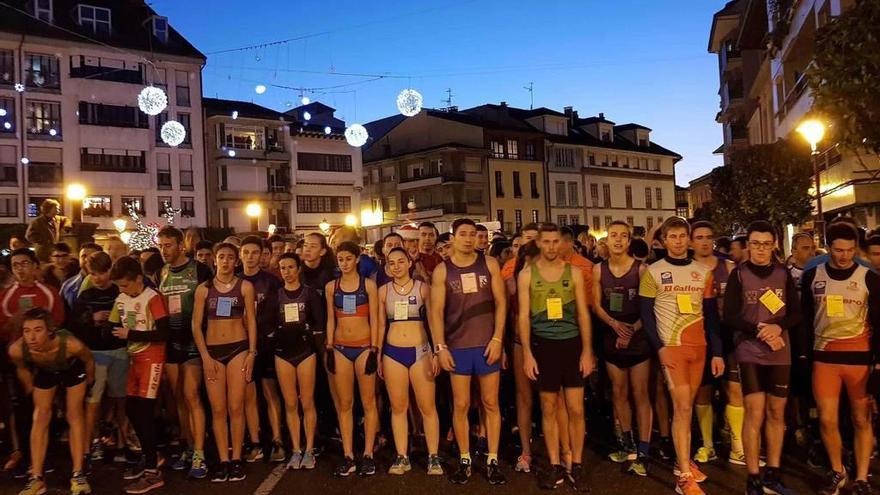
x=8 y=205
x=533 y=184
x=163 y=202
x=279 y=216
x=628 y=190
x=224 y=217
x=512 y=151
x=644 y=164
x=43 y=10
x=648 y=203
x=97 y=206
x=108 y=160
x=605 y=160
x=160 y=80
x=473 y=165
x=535 y=216
x=41 y=71
x=499 y=185
x=626 y=162
x=564 y=157
x=160 y=121
x=517 y=188
x=606 y=193
x=43 y=118
x=682 y=211
x=573 y=197
x=278 y=179
x=7 y=105
x=592 y=158
x=575 y=220
x=187 y=206
x=389 y=203
x=163 y=171
x=323 y=204
x=614 y=160
x=497 y=149
x=658 y=192
x=95 y=19
x=530 y=151
x=596 y=225
x=631 y=221
x=184 y=163
x=650 y=222
x=160 y=28
x=606 y=136
x=594 y=195
x=499 y=216
x=561 y=220
x=643 y=142
x=34 y=202
x=45 y=167
x=242 y=137
x=9 y=158
x=136 y=203
x=517 y=219
x=112 y=115
x=183 y=118
x=7 y=67
x=325 y=162
x=560 y=194
x=607 y=221
x=181 y=79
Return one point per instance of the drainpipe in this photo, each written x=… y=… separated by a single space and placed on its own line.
x=21 y=131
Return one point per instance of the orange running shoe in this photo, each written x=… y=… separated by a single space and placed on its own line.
x=699 y=476
x=687 y=485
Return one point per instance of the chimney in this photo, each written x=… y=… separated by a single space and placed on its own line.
x=567 y=111
x=601 y=115
x=503 y=104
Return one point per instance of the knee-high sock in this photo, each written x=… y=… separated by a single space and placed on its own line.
x=735 y=415
x=704 y=418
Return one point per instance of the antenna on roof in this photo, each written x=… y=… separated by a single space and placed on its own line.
x=531 y=89
x=448 y=100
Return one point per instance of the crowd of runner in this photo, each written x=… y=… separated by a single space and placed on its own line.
x=258 y=348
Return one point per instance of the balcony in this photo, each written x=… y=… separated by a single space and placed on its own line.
x=431 y=178
x=129 y=75
x=112 y=116
x=244 y=156
x=45 y=174
x=90 y=162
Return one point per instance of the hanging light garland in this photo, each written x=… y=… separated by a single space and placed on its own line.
x=152 y=100
x=409 y=102
x=356 y=135
x=144 y=235
x=170 y=213
x=172 y=133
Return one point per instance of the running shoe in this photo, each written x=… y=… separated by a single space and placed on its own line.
x=367 y=467
x=772 y=483
x=618 y=456
x=134 y=470
x=97 y=451
x=79 y=484
x=182 y=463
x=34 y=486
x=554 y=478
x=151 y=480
x=296 y=459
x=687 y=485
x=754 y=486
x=220 y=474
x=435 y=467
x=309 y=459
x=835 y=482
x=278 y=454
x=461 y=476
x=494 y=474
x=198 y=469
x=705 y=454
x=666 y=451
x=346 y=467
x=577 y=477
x=401 y=465
x=254 y=453
x=637 y=467
x=699 y=476
x=523 y=464
x=861 y=487
x=236 y=471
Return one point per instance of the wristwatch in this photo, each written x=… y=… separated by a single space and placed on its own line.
x=440 y=347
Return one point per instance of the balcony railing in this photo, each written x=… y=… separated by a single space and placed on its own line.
x=446 y=207
x=445 y=176
x=45 y=173
x=114 y=74
x=113 y=163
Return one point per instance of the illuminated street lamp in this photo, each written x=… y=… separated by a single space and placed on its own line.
x=324 y=226
x=813 y=131
x=253 y=211
x=119 y=224
x=76 y=193
x=351 y=220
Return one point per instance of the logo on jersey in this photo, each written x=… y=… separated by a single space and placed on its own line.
x=696 y=276
x=853 y=285
x=484 y=281
x=412 y=299
x=666 y=278
x=565 y=283
x=819 y=287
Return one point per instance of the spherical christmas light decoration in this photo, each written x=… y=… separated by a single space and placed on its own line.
x=7 y=125
x=305 y=100
x=152 y=100
x=2 y=112
x=409 y=102
x=356 y=135
x=172 y=133
x=234 y=114
x=260 y=89
x=53 y=132
x=231 y=153
x=24 y=160
x=327 y=130
x=19 y=87
x=307 y=116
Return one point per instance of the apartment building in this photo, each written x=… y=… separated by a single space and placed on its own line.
x=70 y=73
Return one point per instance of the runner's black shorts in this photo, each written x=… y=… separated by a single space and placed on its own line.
x=773 y=379
x=558 y=363
x=71 y=377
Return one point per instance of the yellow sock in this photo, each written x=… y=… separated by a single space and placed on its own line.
x=704 y=418
x=734 y=415
x=491 y=457
x=466 y=455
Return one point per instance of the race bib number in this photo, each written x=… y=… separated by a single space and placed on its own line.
x=174 y=306
x=291 y=313
x=554 y=308
x=615 y=302
x=401 y=310
x=771 y=301
x=130 y=320
x=349 y=304
x=224 y=306
x=834 y=306
x=685 y=305
x=468 y=283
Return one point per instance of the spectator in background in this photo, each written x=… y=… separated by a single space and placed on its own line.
x=45 y=230
x=739 y=249
x=638 y=249
x=145 y=255
x=115 y=248
x=62 y=266
x=428 y=257
x=482 y=238
x=378 y=251
x=873 y=251
x=18 y=242
x=444 y=244
x=191 y=239
x=235 y=241
x=411 y=240
x=205 y=253
x=152 y=267
x=366 y=266
x=291 y=247
x=722 y=245
x=70 y=287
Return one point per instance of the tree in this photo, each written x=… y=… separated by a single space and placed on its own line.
x=763 y=182
x=845 y=77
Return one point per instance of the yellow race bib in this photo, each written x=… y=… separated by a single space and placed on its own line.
x=771 y=301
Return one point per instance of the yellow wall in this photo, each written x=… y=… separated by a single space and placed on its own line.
x=508 y=202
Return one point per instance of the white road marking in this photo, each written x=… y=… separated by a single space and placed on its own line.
x=271 y=480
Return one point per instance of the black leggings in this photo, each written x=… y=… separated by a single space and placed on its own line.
x=141 y=412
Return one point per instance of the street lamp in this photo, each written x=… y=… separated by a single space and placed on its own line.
x=76 y=193
x=813 y=131
x=253 y=210
x=324 y=226
x=351 y=220
x=119 y=224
